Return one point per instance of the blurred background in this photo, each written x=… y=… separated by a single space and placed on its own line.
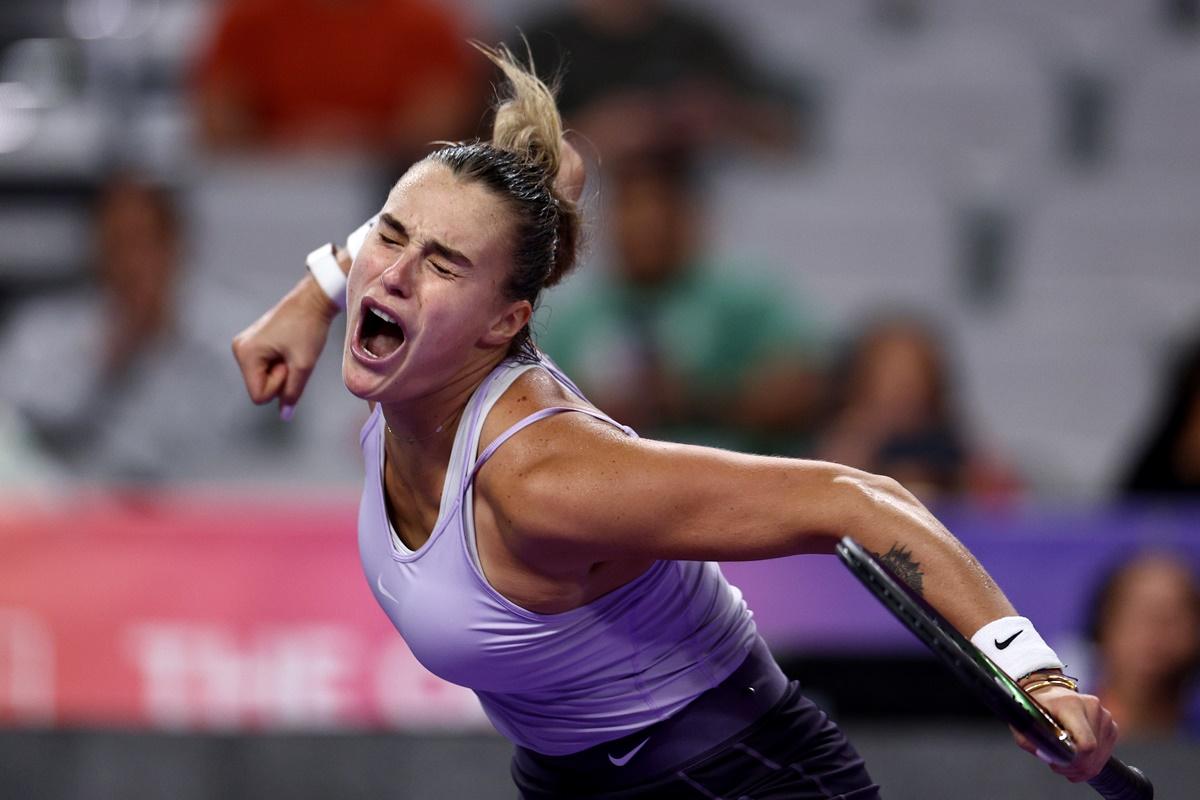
x=953 y=241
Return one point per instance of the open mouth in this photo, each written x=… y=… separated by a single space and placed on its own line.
x=380 y=334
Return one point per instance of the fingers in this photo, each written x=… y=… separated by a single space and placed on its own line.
x=261 y=370
x=267 y=380
x=1092 y=729
x=268 y=375
x=275 y=377
x=277 y=353
x=1028 y=746
x=292 y=388
x=1078 y=723
x=1094 y=735
x=1023 y=742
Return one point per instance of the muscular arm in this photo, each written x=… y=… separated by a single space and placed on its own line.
x=575 y=490
x=581 y=490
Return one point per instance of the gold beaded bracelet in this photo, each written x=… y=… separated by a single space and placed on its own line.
x=1064 y=681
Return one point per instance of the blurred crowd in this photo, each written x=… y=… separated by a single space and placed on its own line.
x=680 y=327
x=118 y=119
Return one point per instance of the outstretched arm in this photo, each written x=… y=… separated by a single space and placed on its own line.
x=586 y=492
x=602 y=497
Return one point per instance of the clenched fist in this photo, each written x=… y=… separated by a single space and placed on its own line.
x=1091 y=727
x=278 y=352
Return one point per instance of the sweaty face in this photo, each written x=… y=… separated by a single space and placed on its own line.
x=425 y=298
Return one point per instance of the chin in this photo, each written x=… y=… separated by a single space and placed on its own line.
x=361 y=383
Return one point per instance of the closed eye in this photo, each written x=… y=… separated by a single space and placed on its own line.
x=439 y=269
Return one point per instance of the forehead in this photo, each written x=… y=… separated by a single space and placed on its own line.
x=432 y=203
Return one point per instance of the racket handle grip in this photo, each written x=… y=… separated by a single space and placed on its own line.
x=1119 y=781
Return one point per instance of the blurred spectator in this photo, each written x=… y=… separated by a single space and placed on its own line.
x=105 y=380
x=895 y=413
x=677 y=345
x=1145 y=624
x=1182 y=15
x=641 y=74
x=387 y=75
x=1168 y=462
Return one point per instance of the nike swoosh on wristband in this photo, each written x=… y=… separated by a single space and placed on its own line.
x=623 y=760
x=1001 y=645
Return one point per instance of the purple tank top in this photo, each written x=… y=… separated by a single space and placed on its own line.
x=554 y=683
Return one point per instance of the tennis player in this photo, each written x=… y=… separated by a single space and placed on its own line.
x=531 y=548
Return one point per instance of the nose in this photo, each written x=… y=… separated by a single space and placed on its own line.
x=397 y=278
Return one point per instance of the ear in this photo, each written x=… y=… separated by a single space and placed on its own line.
x=508 y=324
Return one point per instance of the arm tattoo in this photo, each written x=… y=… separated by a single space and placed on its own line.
x=900 y=561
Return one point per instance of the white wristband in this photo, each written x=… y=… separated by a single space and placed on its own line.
x=326 y=270
x=1016 y=646
x=355 y=241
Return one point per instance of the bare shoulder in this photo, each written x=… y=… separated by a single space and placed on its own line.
x=556 y=436
x=534 y=390
x=535 y=474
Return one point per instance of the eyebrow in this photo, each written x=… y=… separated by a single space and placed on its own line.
x=433 y=245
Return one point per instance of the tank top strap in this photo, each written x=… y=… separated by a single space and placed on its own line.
x=549 y=365
x=537 y=416
x=479 y=405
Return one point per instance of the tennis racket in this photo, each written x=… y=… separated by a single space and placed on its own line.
x=1000 y=693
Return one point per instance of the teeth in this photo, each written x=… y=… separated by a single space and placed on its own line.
x=384 y=316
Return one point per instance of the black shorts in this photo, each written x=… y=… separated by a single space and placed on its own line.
x=781 y=746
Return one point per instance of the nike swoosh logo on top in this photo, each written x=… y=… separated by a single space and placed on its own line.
x=383 y=590
x=623 y=760
x=1001 y=645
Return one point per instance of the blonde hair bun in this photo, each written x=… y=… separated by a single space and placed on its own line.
x=527 y=119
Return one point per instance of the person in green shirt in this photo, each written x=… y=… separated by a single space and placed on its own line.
x=675 y=343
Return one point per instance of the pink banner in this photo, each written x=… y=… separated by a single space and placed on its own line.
x=206 y=612
x=211 y=610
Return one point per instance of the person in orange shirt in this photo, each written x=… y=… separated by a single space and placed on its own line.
x=382 y=75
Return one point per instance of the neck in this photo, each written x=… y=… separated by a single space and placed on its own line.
x=421 y=431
